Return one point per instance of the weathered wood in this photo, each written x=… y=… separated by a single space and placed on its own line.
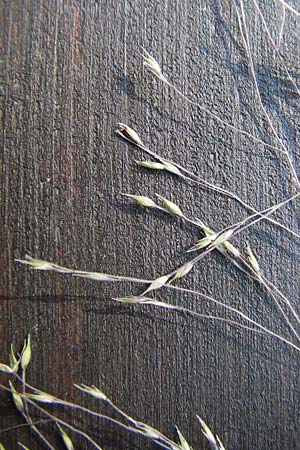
x=70 y=70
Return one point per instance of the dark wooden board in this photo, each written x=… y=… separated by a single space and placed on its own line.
x=70 y=71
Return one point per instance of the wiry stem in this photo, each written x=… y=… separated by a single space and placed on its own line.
x=136 y=427
x=290 y=8
x=218 y=119
x=32 y=426
x=190 y=176
x=65 y=424
x=275 y=47
x=245 y=38
x=260 y=327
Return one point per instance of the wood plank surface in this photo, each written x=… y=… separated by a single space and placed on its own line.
x=70 y=71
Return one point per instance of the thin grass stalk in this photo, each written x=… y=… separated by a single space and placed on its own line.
x=65 y=424
x=290 y=8
x=260 y=327
x=245 y=38
x=138 y=428
x=191 y=177
x=24 y=425
x=275 y=47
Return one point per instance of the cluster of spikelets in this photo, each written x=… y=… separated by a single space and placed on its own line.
x=31 y=397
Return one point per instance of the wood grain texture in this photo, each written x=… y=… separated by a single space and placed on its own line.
x=70 y=70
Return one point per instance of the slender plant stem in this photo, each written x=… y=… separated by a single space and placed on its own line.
x=219 y=119
x=245 y=38
x=28 y=417
x=138 y=426
x=275 y=47
x=261 y=327
x=24 y=425
x=191 y=177
x=65 y=424
x=284 y=298
x=290 y=8
x=29 y=422
x=261 y=279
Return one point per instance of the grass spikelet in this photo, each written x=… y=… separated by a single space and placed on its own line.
x=17 y=399
x=148 y=431
x=157 y=283
x=35 y=263
x=5 y=368
x=26 y=353
x=152 y=65
x=132 y=299
x=66 y=438
x=39 y=264
x=171 y=168
x=231 y=249
x=252 y=259
x=92 y=390
x=130 y=134
x=146 y=202
x=13 y=361
x=214 y=440
x=97 y=276
x=183 y=443
x=222 y=237
x=42 y=397
x=204 y=242
x=151 y=165
x=183 y=270
x=219 y=443
x=170 y=206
